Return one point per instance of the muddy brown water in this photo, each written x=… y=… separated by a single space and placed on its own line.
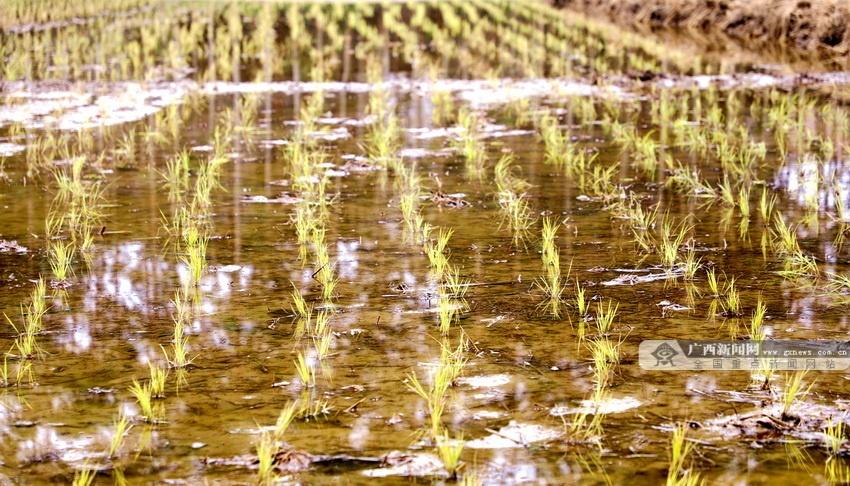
x=102 y=330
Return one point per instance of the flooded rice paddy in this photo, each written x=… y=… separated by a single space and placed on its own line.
x=409 y=242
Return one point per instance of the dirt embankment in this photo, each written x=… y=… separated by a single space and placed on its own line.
x=810 y=27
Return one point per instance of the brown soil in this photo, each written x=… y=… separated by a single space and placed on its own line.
x=810 y=27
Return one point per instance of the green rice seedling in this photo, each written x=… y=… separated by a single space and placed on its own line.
x=383 y=141
x=603 y=367
x=447 y=310
x=551 y=283
x=435 y=250
x=267 y=449
x=713 y=283
x=4 y=372
x=605 y=316
x=585 y=427
x=689 y=181
x=785 y=237
x=516 y=214
x=766 y=205
x=444 y=108
x=179 y=355
x=505 y=178
x=836 y=472
x=834 y=437
x=144 y=398
x=672 y=238
x=314 y=409
x=679 y=472
x=744 y=202
x=26 y=343
x=176 y=175
x=284 y=420
x=304 y=371
x=454 y=285
x=470 y=478
x=299 y=305
x=449 y=451
x=600 y=182
x=838 y=283
x=121 y=426
x=84 y=476
x=61 y=254
x=195 y=256
x=38 y=303
x=556 y=142
x=157 y=380
x=435 y=399
x=794 y=389
x=470 y=145
x=581 y=301
x=322 y=343
x=691 y=265
x=731 y=301
x=756 y=328
x=727 y=195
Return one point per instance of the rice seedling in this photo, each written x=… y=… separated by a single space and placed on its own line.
x=84 y=476
x=605 y=316
x=144 y=398
x=470 y=478
x=713 y=283
x=176 y=175
x=449 y=451
x=689 y=181
x=26 y=342
x=834 y=437
x=61 y=254
x=454 y=285
x=195 y=255
x=444 y=108
x=469 y=144
x=266 y=449
x=285 y=418
x=448 y=311
x=585 y=427
x=691 y=265
x=731 y=301
x=4 y=373
x=672 y=238
x=178 y=357
x=157 y=380
x=756 y=329
x=744 y=202
x=766 y=205
x=305 y=372
x=121 y=426
x=836 y=471
x=679 y=473
x=299 y=305
x=322 y=343
x=551 y=283
x=727 y=195
x=516 y=213
x=448 y=369
x=794 y=389
x=435 y=250
x=581 y=301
